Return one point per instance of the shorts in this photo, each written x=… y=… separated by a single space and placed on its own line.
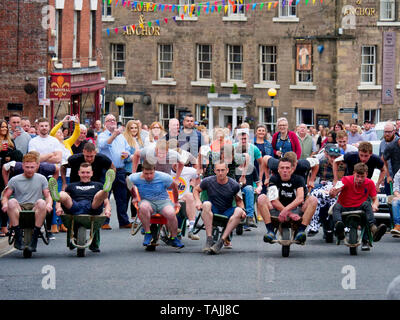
x=228 y=213
x=83 y=207
x=158 y=205
x=27 y=206
x=275 y=213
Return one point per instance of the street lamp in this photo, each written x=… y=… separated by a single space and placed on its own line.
x=120 y=103
x=272 y=93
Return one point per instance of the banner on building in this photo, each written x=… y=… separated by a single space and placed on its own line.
x=60 y=86
x=389 y=67
x=303 y=56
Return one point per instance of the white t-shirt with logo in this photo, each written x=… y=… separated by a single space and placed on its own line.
x=187 y=175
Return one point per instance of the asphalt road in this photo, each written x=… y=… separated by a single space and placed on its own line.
x=252 y=270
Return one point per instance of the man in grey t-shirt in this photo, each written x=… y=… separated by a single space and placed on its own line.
x=30 y=192
x=221 y=191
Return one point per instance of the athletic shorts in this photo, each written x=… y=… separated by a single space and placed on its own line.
x=158 y=205
x=228 y=213
x=83 y=207
x=297 y=210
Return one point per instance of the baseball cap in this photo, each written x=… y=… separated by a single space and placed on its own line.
x=332 y=150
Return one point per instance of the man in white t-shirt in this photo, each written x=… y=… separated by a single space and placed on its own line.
x=48 y=146
x=188 y=176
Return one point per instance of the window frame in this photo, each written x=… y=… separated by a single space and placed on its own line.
x=230 y=63
x=165 y=120
x=263 y=64
x=200 y=62
x=299 y=116
x=373 y=65
x=287 y=9
x=114 y=60
x=161 y=62
x=271 y=125
x=382 y=10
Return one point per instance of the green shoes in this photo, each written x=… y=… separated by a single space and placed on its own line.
x=53 y=188
x=110 y=177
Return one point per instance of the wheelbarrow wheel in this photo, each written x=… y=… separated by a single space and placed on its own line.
x=353 y=238
x=239 y=230
x=27 y=253
x=285 y=234
x=285 y=251
x=81 y=239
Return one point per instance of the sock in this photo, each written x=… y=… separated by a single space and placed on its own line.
x=269 y=226
x=302 y=227
x=191 y=225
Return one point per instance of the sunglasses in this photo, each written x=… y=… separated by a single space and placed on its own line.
x=336 y=150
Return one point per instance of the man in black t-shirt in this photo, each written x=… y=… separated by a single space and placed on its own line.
x=363 y=155
x=221 y=191
x=84 y=197
x=287 y=194
x=301 y=167
x=100 y=164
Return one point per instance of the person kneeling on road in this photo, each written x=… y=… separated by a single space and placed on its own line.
x=354 y=194
x=221 y=191
x=84 y=197
x=288 y=196
x=152 y=186
x=28 y=189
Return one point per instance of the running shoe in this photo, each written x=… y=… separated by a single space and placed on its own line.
x=176 y=243
x=301 y=237
x=147 y=239
x=53 y=188
x=269 y=237
x=110 y=177
x=216 y=248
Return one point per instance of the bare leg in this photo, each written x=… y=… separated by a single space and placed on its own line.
x=145 y=211
x=233 y=222
x=65 y=200
x=207 y=217
x=99 y=199
x=169 y=213
x=40 y=212
x=13 y=212
x=190 y=207
x=262 y=205
x=309 y=208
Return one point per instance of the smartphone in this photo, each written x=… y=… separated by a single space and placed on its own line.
x=19 y=128
x=73 y=118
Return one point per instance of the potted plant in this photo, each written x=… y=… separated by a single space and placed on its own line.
x=211 y=92
x=235 y=92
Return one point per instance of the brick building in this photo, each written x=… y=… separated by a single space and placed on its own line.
x=320 y=57
x=44 y=37
x=23 y=56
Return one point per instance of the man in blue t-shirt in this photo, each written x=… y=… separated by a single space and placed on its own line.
x=152 y=186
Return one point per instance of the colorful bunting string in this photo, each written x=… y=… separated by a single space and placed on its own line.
x=190 y=9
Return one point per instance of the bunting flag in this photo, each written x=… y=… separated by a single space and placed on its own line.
x=217 y=5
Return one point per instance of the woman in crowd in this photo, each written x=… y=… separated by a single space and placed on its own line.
x=330 y=138
x=66 y=145
x=8 y=153
x=132 y=135
x=284 y=140
x=156 y=131
x=322 y=136
x=219 y=139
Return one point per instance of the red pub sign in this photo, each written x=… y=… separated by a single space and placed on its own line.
x=60 y=86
